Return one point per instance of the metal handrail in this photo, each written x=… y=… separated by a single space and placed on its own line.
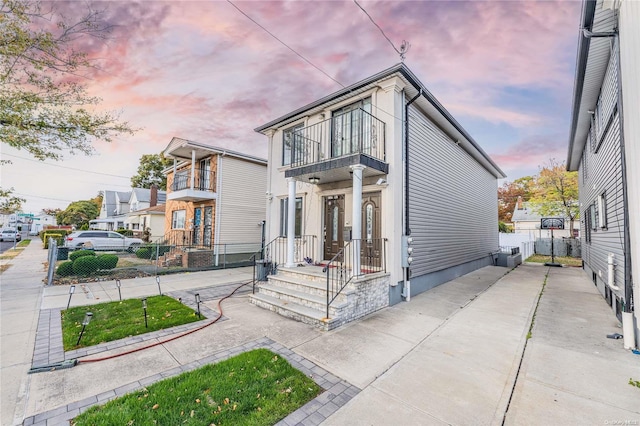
x=319 y=141
x=338 y=269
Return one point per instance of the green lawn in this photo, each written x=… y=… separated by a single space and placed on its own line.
x=571 y=261
x=253 y=388
x=116 y=320
x=24 y=243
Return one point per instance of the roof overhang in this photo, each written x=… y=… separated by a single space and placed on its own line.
x=184 y=149
x=591 y=67
x=427 y=102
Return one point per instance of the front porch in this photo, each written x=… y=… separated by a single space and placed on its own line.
x=325 y=294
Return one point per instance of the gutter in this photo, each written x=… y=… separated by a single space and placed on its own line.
x=586 y=23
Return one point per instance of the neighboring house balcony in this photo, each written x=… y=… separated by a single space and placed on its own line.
x=193 y=184
x=323 y=152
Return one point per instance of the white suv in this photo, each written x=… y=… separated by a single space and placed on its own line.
x=101 y=240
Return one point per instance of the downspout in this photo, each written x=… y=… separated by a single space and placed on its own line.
x=407 y=229
x=216 y=232
x=627 y=307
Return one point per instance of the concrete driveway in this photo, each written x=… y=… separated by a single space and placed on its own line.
x=457 y=354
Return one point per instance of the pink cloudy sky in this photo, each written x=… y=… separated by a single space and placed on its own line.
x=202 y=71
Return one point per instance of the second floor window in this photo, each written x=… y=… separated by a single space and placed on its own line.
x=291 y=145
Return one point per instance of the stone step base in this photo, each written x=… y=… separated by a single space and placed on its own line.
x=294 y=311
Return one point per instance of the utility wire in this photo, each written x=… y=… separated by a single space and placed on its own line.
x=404 y=47
x=284 y=44
x=66 y=167
x=377 y=26
x=307 y=60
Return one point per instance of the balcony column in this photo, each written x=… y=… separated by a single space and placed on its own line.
x=193 y=168
x=291 y=223
x=356 y=219
x=175 y=170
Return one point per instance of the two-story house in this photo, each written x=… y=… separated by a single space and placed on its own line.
x=380 y=185
x=117 y=206
x=604 y=147
x=215 y=201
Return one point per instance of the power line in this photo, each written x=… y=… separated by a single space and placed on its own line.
x=284 y=44
x=404 y=47
x=68 y=168
x=305 y=59
x=44 y=198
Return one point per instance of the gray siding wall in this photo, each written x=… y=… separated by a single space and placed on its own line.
x=600 y=172
x=453 y=201
x=242 y=206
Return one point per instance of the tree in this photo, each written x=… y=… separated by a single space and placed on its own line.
x=79 y=213
x=508 y=195
x=9 y=203
x=44 y=108
x=556 y=192
x=150 y=172
x=51 y=212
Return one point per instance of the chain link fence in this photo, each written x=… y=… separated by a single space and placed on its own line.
x=70 y=266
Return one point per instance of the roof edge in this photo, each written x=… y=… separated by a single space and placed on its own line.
x=586 y=22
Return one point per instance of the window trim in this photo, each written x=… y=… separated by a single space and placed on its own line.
x=175 y=219
x=284 y=213
x=285 y=132
x=602 y=209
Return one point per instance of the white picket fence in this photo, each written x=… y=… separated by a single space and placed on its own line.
x=524 y=241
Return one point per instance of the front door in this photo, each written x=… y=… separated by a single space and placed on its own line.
x=208 y=221
x=371 y=247
x=333 y=225
x=197 y=221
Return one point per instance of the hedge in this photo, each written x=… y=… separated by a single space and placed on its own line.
x=143 y=253
x=65 y=269
x=81 y=253
x=107 y=261
x=51 y=232
x=59 y=239
x=85 y=265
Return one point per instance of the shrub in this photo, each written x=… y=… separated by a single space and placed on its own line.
x=107 y=261
x=143 y=253
x=125 y=232
x=85 y=265
x=44 y=235
x=56 y=236
x=81 y=253
x=65 y=269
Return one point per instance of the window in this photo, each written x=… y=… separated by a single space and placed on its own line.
x=292 y=146
x=587 y=225
x=114 y=235
x=284 y=213
x=602 y=209
x=178 y=219
x=593 y=221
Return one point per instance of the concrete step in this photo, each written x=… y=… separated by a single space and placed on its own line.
x=294 y=311
x=308 y=273
x=303 y=298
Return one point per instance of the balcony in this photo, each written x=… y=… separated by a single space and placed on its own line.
x=327 y=149
x=193 y=185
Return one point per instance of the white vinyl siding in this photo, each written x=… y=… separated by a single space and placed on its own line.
x=604 y=177
x=242 y=201
x=453 y=201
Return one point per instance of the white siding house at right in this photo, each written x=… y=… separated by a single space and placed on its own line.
x=604 y=149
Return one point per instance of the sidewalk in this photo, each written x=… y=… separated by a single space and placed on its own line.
x=450 y=356
x=20 y=295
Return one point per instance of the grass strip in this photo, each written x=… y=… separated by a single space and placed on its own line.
x=570 y=261
x=117 y=320
x=24 y=243
x=254 y=388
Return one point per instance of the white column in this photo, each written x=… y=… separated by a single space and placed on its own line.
x=193 y=168
x=175 y=170
x=356 y=219
x=291 y=223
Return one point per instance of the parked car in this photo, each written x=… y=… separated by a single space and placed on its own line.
x=10 y=235
x=101 y=240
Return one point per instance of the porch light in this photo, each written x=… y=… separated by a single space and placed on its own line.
x=314 y=180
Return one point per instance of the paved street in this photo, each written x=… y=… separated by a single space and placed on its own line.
x=458 y=354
